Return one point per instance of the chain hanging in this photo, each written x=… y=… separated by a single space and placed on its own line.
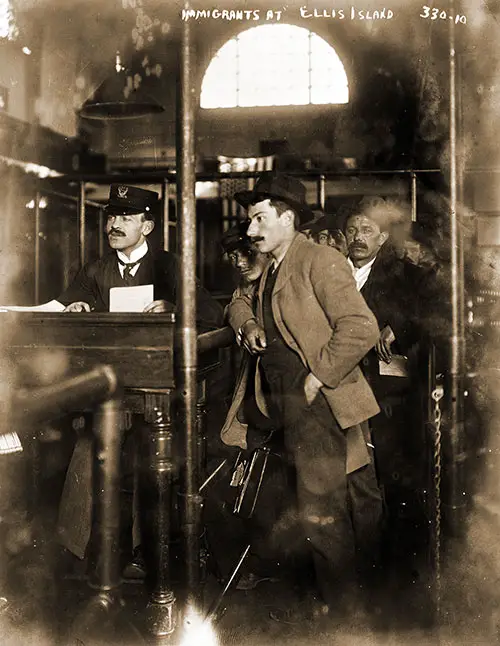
x=437 y=395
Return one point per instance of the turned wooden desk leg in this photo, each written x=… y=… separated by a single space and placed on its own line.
x=156 y=474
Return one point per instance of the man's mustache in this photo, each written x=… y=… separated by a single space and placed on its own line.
x=115 y=232
x=256 y=239
x=357 y=245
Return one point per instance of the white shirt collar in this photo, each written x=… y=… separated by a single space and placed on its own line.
x=361 y=273
x=136 y=254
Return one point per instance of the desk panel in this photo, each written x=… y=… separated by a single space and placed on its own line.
x=140 y=347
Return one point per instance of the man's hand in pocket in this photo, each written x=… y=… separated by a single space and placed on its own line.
x=311 y=388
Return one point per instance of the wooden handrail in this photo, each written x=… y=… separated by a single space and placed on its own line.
x=221 y=338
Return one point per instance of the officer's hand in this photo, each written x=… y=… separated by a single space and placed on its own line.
x=311 y=388
x=383 y=346
x=78 y=306
x=253 y=337
x=158 y=306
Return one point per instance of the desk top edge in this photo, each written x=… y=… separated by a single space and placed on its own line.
x=102 y=318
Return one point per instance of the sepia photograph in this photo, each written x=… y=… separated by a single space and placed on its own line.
x=249 y=323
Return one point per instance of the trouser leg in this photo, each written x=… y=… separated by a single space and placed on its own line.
x=366 y=508
x=318 y=446
x=76 y=505
x=75 y=509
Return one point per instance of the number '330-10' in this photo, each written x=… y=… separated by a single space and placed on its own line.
x=434 y=13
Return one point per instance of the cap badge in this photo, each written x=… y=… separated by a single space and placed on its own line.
x=122 y=191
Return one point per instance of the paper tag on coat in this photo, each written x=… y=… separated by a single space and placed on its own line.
x=398 y=367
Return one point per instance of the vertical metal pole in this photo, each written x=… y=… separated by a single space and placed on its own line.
x=8 y=208
x=413 y=195
x=108 y=438
x=37 y=248
x=456 y=434
x=322 y=192
x=101 y=233
x=105 y=605
x=187 y=363
x=81 y=223
x=460 y=127
x=201 y=270
x=165 y=204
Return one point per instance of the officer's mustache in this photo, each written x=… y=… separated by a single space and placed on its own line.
x=257 y=238
x=115 y=232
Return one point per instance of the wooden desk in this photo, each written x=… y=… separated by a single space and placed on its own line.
x=140 y=348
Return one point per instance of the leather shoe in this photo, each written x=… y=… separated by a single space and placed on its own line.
x=136 y=567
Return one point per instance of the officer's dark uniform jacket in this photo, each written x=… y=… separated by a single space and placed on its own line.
x=159 y=268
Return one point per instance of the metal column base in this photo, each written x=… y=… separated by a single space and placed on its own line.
x=161 y=617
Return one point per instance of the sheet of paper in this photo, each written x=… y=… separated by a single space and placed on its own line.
x=397 y=368
x=51 y=306
x=130 y=299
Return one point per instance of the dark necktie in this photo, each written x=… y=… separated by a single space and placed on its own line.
x=127 y=268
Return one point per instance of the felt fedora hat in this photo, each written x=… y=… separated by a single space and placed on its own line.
x=309 y=225
x=125 y=200
x=326 y=222
x=280 y=187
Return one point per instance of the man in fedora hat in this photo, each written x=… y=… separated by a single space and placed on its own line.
x=325 y=231
x=311 y=329
x=131 y=213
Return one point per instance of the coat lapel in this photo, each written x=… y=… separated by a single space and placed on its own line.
x=285 y=272
x=260 y=294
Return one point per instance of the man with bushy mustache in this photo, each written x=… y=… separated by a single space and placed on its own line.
x=389 y=284
x=398 y=292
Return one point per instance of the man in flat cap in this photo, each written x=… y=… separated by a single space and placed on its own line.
x=131 y=215
x=248 y=261
x=311 y=329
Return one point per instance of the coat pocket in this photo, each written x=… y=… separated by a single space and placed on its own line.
x=352 y=403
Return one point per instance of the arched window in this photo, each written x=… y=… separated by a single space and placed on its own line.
x=274 y=65
x=8 y=27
